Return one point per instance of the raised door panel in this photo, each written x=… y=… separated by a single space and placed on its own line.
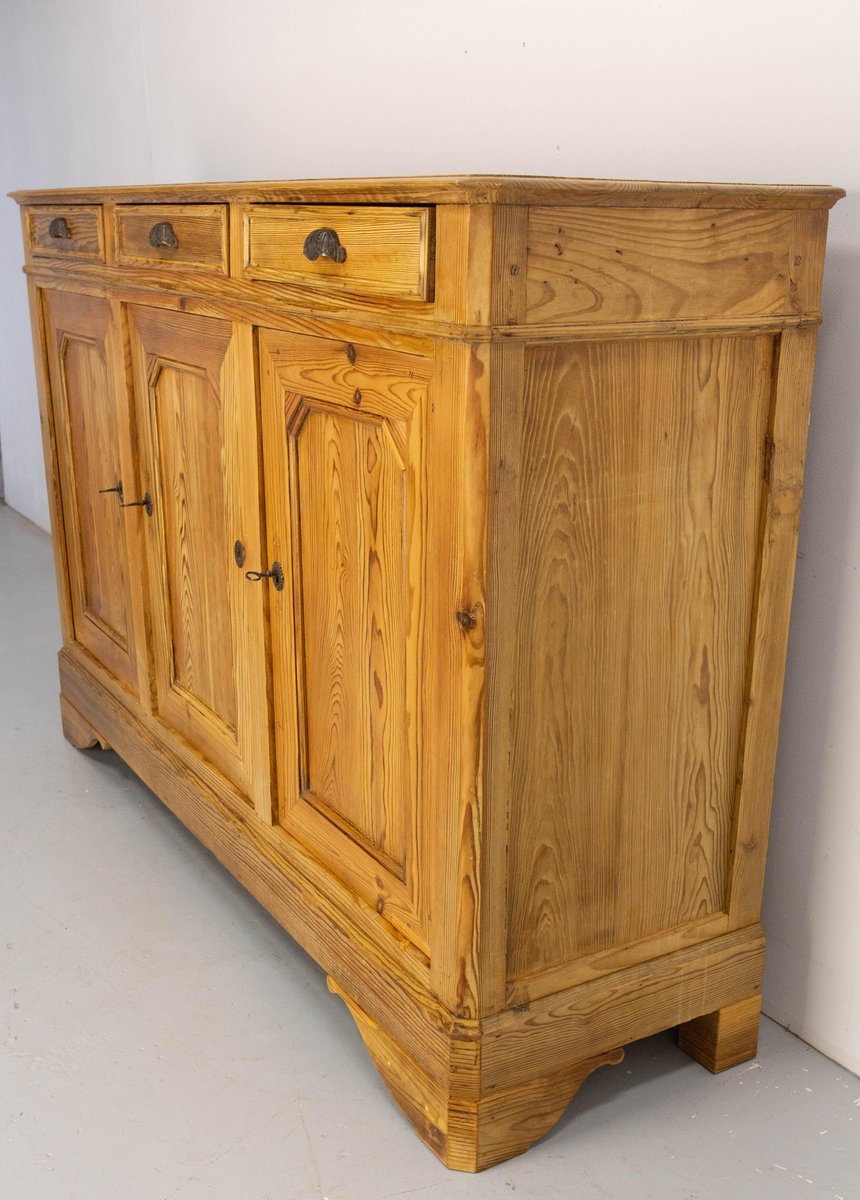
x=194 y=381
x=639 y=500
x=343 y=433
x=90 y=405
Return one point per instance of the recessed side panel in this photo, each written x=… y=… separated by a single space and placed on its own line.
x=350 y=545
x=640 y=487
x=188 y=421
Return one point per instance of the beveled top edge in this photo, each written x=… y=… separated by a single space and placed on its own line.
x=459 y=189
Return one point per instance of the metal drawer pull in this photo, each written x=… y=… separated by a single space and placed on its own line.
x=59 y=228
x=117 y=489
x=145 y=503
x=324 y=243
x=163 y=234
x=275 y=573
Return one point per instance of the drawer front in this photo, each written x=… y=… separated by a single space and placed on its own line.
x=183 y=235
x=366 y=249
x=75 y=231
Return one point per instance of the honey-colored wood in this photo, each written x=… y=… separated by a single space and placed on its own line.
x=91 y=421
x=780 y=523
x=77 y=729
x=724 y=1038
x=343 y=437
x=197 y=416
x=85 y=225
x=201 y=230
x=500 y=753
x=388 y=250
x=461 y=189
x=470 y=1134
x=637 y=494
x=644 y=264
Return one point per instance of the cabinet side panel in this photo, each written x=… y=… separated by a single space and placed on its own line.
x=641 y=264
x=639 y=477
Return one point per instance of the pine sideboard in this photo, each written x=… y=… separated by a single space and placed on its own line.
x=426 y=545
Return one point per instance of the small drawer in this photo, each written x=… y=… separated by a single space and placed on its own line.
x=183 y=235
x=74 y=231
x=381 y=251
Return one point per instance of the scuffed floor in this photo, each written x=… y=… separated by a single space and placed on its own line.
x=163 y=1038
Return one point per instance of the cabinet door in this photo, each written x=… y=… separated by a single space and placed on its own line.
x=196 y=398
x=342 y=435
x=90 y=406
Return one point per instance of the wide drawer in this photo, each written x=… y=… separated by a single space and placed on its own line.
x=181 y=235
x=385 y=251
x=74 y=231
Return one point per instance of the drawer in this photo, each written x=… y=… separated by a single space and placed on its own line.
x=183 y=235
x=384 y=251
x=73 y=231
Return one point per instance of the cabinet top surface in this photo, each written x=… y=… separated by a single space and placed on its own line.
x=460 y=189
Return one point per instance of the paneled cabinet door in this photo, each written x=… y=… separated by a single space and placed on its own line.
x=197 y=412
x=342 y=444
x=90 y=410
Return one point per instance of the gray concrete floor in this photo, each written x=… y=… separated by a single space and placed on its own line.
x=163 y=1038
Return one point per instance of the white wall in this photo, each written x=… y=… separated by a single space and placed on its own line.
x=138 y=91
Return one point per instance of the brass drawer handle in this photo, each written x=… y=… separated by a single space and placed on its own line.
x=324 y=243
x=59 y=228
x=163 y=234
x=276 y=574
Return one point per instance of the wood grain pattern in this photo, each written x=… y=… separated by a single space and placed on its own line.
x=724 y=1038
x=475 y=1133
x=463 y=189
x=500 y=753
x=780 y=524
x=639 y=489
x=388 y=250
x=197 y=413
x=77 y=730
x=89 y=414
x=85 y=226
x=350 y=551
x=201 y=230
x=343 y=435
x=569 y=1025
x=454 y=669
x=382 y=318
x=644 y=264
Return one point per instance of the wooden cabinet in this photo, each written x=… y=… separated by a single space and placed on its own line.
x=449 y=600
